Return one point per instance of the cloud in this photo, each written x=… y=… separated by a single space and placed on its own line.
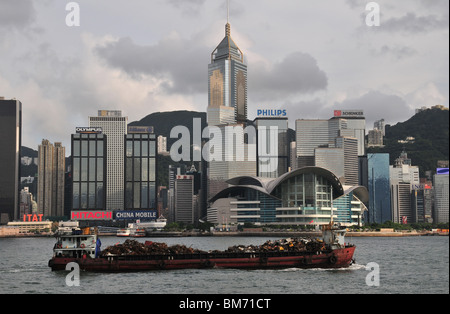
x=411 y=23
x=397 y=52
x=181 y=65
x=297 y=73
x=188 y=7
x=176 y=61
x=17 y=14
x=427 y=95
x=378 y=105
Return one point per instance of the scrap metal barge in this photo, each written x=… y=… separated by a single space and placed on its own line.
x=132 y=256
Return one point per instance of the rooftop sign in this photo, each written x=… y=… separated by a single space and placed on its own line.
x=349 y=113
x=141 y=129
x=135 y=214
x=91 y=215
x=271 y=113
x=93 y=130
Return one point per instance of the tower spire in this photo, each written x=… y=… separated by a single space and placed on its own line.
x=228 y=11
x=227 y=26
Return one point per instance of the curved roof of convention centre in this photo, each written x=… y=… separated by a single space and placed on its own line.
x=268 y=185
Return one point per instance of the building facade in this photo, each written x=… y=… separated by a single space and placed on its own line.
x=10 y=145
x=272 y=146
x=186 y=202
x=441 y=197
x=306 y=196
x=328 y=144
x=379 y=210
x=114 y=126
x=51 y=178
x=227 y=83
x=352 y=123
x=140 y=171
x=89 y=184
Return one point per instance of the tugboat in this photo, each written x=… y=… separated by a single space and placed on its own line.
x=84 y=249
x=73 y=243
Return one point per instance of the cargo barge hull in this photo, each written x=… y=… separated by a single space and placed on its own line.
x=338 y=258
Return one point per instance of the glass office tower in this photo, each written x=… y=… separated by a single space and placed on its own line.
x=140 y=171
x=10 y=143
x=89 y=171
x=379 y=188
x=227 y=82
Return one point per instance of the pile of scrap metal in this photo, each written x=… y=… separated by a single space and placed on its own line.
x=289 y=245
x=133 y=247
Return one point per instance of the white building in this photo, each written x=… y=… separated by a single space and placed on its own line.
x=162 y=144
x=114 y=126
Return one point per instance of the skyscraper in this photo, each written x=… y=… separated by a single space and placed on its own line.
x=88 y=170
x=354 y=125
x=310 y=134
x=272 y=146
x=441 y=207
x=140 y=171
x=379 y=188
x=227 y=83
x=185 y=200
x=402 y=178
x=114 y=126
x=10 y=143
x=51 y=172
x=227 y=108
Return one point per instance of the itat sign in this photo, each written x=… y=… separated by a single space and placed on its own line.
x=32 y=218
x=271 y=113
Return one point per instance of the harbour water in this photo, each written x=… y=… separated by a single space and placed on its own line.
x=408 y=265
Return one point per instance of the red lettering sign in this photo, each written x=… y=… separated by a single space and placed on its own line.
x=91 y=215
x=32 y=217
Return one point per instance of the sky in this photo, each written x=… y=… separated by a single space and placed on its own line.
x=143 y=56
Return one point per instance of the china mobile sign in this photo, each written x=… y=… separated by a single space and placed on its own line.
x=135 y=215
x=91 y=215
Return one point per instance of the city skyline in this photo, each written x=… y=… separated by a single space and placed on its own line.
x=305 y=57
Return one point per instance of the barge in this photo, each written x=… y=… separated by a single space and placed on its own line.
x=84 y=249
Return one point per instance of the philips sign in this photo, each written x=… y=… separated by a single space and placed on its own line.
x=271 y=113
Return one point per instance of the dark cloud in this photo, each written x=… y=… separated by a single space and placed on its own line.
x=188 y=7
x=411 y=23
x=179 y=62
x=16 y=14
x=378 y=105
x=297 y=73
x=397 y=52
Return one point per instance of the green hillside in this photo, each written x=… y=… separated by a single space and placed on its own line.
x=430 y=128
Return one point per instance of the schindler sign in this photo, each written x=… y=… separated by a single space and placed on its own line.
x=349 y=113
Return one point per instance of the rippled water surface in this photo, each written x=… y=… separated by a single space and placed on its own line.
x=406 y=265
